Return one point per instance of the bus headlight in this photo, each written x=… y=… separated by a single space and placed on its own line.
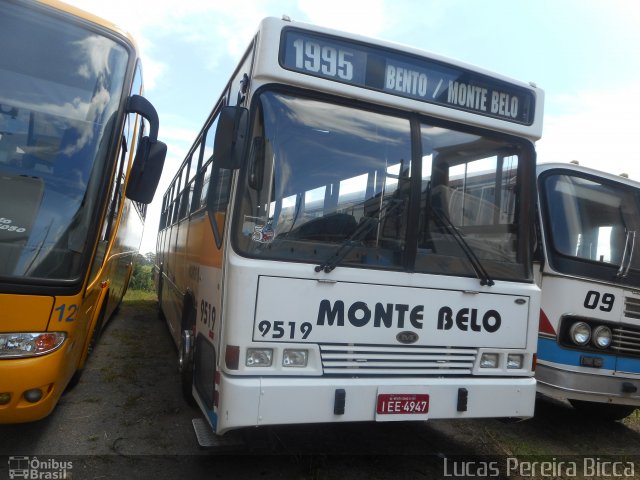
x=580 y=333
x=295 y=358
x=602 y=337
x=514 y=361
x=489 y=360
x=15 y=345
x=259 y=357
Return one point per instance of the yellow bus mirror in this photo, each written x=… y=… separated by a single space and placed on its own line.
x=146 y=170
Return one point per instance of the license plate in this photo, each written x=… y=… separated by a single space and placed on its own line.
x=402 y=403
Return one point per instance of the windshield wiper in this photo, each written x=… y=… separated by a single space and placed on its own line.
x=446 y=222
x=361 y=231
x=630 y=240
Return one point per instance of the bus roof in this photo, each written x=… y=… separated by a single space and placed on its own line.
x=89 y=17
x=544 y=167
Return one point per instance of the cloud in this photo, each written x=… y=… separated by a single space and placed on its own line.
x=213 y=29
x=366 y=17
x=597 y=128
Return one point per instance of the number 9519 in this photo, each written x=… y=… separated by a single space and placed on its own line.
x=279 y=329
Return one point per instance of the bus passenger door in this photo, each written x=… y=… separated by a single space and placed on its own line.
x=210 y=284
x=206 y=242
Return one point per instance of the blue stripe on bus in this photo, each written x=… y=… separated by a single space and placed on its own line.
x=550 y=351
x=213 y=417
x=630 y=365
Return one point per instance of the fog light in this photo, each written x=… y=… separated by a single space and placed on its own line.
x=580 y=333
x=5 y=398
x=295 y=358
x=489 y=360
x=259 y=357
x=602 y=337
x=34 y=395
x=514 y=361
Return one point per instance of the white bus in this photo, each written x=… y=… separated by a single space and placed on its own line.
x=320 y=258
x=589 y=273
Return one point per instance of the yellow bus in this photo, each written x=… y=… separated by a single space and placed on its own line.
x=324 y=253
x=79 y=162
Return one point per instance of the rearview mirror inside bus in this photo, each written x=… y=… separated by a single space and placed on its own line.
x=231 y=134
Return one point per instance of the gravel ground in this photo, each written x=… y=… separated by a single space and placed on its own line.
x=127 y=419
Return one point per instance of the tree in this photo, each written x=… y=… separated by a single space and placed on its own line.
x=142 y=277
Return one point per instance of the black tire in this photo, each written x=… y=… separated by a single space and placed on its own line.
x=75 y=379
x=604 y=411
x=95 y=336
x=159 y=295
x=185 y=353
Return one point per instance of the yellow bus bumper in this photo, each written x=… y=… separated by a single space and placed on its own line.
x=31 y=387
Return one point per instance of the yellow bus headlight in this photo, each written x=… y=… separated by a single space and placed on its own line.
x=29 y=344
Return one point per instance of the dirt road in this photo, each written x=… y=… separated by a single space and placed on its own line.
x=127 y=419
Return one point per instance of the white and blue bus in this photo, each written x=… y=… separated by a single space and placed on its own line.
x=321 y=255
x=589 y=274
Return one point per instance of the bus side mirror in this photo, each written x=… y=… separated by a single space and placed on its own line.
x=146 y=170
x=231 y=137
x=150 y=154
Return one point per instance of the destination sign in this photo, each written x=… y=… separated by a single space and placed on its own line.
x=405 y=75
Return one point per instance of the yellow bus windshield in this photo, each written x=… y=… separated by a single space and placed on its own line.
x=60 y=88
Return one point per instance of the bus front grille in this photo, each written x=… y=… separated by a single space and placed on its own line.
x=626 y=340
x=632 y=307
x=383 y=360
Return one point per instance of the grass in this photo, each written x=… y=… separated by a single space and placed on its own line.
x=133 y=296
x=144 y=301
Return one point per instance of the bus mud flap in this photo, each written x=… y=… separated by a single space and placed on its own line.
x=207 y=439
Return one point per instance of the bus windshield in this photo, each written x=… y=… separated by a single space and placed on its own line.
x=332 y=184
x=592 y=220
x=60 y=86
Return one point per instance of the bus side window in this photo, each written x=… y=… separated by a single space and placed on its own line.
x=218 y=200
x=163 y=214
x=206 y=180
x=195 y=177
x=184 y=194
x=117 y=193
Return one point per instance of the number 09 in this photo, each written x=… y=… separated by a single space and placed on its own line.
x=594 y=300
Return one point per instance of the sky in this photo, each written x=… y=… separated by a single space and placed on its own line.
x=583 y=53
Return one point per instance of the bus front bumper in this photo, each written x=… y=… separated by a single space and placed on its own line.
x=606 y=387
x=255 y=401
x=33 y=386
